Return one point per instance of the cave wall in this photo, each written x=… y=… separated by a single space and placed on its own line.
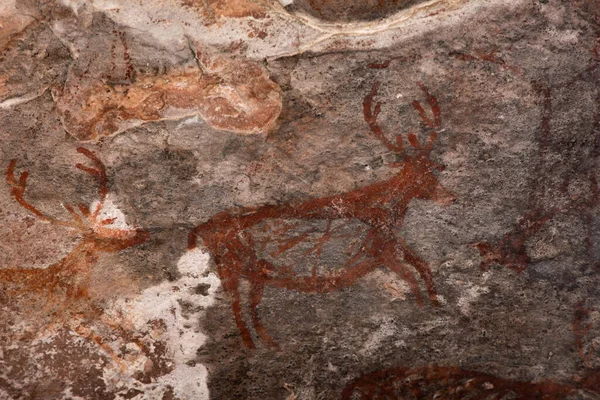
x=240 y=199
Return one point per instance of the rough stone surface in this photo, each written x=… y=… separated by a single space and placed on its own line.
x=312 y=199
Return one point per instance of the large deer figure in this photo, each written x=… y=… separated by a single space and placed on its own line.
x=59 y=294
x=380 y=206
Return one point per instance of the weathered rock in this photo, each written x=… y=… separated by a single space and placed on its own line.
x=229 y=94
x=300 y=200
x=33 y=61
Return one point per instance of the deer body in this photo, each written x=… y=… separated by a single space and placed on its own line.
x=382 y=203
x=380 y=206
x=51 y=295
x=65 y=274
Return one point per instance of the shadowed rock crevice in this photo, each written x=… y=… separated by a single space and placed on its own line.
x=348 y=11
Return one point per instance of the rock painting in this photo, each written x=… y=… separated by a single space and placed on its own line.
x=40 y=303
x=578 y=190
x=150 y=338
x=166 y=321
x=59 y=293
x=263 y=210
x=454 y=383
x=380 y=207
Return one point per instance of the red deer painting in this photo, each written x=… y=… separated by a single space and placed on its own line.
x=232 y=236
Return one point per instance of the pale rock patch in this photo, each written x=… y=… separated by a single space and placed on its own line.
x=179 y=305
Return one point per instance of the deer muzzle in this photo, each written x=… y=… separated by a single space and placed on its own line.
x=443 y=196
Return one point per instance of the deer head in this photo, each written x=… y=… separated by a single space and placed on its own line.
x=416 y=166
x=100 y=234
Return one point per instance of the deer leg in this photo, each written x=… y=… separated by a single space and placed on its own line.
x=422 y=268
x=231 y=285
x=256 y=293
x=89 y=334
x=406 y=274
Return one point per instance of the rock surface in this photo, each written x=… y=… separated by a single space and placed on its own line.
x=312 y=199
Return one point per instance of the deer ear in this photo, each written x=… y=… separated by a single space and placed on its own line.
x=431 y=140
x=412 y=139
x=399 y=142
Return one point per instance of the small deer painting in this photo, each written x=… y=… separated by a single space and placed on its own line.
x=58 y=295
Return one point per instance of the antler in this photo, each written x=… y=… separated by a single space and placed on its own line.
x=371 y=112
x=18 y=190
x=99 y=172
x=435 y=108
x=436 y=124
x=19 y=185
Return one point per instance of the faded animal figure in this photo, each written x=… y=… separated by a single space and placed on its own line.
x=58 y=294
x=511 y=250
x=381 y=207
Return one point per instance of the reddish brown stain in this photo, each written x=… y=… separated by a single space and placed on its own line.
x=382 y=65
x=582 y=325
x=59 y=293
x=126 y=57
x=386 y=63
x=214 y=10
x=380 y=206
x=448 y=383
x=511 y=250
x=594 y=63
x=454 y=383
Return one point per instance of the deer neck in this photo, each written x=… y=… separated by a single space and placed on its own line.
x=410 y=181
x=79 y=260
